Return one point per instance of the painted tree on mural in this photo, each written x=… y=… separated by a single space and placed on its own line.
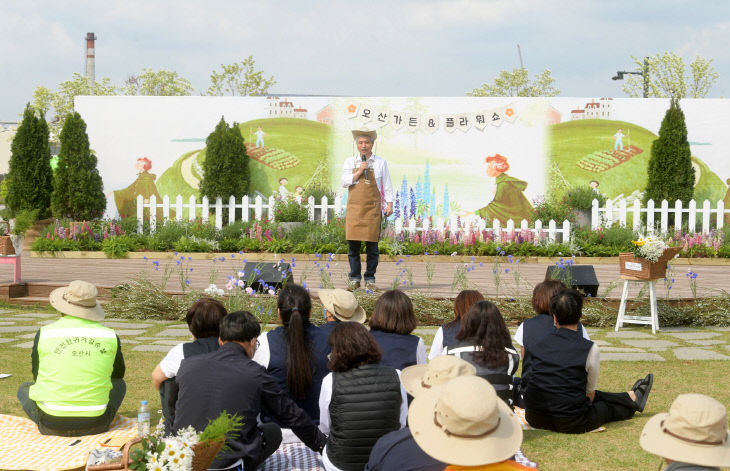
x=77 y=187
x=670 y=173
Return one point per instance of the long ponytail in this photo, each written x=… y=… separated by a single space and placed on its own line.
x=295 y=306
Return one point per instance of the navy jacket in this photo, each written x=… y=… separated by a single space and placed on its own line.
x=228 y=380
x=398 y=451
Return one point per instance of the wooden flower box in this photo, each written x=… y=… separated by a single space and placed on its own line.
x=632 y=268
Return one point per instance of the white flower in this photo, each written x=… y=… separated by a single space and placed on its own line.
x=156 y=467
x=249 y=290
x=241 y=284
x=453 y=254
x=241 y=274
x=272 y=292
x=229 y=286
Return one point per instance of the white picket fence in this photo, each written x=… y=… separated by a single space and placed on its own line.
x=611 y=214
x=253 y=209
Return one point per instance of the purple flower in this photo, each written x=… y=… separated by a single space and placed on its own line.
x=187 y=282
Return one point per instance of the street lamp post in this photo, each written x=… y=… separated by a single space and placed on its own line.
x=644 y=73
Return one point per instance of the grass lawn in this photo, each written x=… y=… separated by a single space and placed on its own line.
x=615 y=449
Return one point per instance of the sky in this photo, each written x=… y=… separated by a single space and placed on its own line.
x=340 y=47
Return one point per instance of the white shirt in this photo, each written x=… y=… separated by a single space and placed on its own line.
x=421 y=352
x=437 y=347
x=171 y=363
x=376 y=164
x=263 y=354
x=325 y=396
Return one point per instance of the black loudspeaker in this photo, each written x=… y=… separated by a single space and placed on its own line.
x=262 y=276
x=583 y=277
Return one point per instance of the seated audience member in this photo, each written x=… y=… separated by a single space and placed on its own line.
x=484 y=341
x=561 y=394
x=228 y=380
x=295 y=354
x=391 y=325
x=77 y=366
x=361 y=400
x=203 y=319
x=340 y=305
x=398 y=451
x=465 y=424
x=446 y=334
x=692 y=436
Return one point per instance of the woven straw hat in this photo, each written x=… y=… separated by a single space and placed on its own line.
x=371 y=133
x=342 y=304
x=417 y=379
x=694 y=431
x=464 y=423
x=78 y=299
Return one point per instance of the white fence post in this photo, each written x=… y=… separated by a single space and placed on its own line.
x=650 y=216
x=258 y=208
x=609 y=213
x=551 y=230
x=205 y=210
x=153 y=213
x=245 y=207
x=412 y=225
x=324 y=216
x=538 y=230
x=622 y=213
x=192 y=206
x=338 y=206
x=677 y=215
x=219 y=213
x=140 y=213
x=665 y=216
x=165 y=208
x=692 y=221
x=566 y=231
x=497 y=230
x=178 y=208
x=595 y=216
x=720 y=214
x=272 y=205
x=231 y=209
x=706 y=217
x=310 y=208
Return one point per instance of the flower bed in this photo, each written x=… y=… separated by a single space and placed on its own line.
x=116 y=239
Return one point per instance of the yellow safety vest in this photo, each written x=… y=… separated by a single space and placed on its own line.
x=75 y=363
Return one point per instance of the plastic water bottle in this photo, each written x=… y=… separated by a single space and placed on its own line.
x=143 y=420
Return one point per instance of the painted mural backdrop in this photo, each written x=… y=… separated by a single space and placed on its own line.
x=491 y=157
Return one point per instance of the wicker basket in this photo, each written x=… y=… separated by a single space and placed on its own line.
x=204 y=454
x=6 y=243
x=633 y=268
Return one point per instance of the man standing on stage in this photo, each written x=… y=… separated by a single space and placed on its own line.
x=365 y=176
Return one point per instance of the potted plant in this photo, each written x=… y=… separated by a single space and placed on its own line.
x=649 y=258
x=289 y=213
x=580 y=200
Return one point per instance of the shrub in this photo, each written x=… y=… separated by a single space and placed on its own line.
x=290 y=210
x=547 y=209
x=24 y=220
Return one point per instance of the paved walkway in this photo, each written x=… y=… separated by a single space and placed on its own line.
x=18 y=328
x=711 y=280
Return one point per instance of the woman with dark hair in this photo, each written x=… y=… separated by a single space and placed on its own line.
x=446 y=334
x=360 y=401
x=391 y=325
x=203 y=319
x=295 y=354
x=483 y=340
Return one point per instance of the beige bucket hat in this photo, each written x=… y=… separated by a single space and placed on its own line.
x=694 y=431
x=417 y=379
x=342 y=304
x=464 y=423
x=371 y=133
x=78 y=299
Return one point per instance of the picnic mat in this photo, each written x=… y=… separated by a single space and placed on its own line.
x=294 y=456
x=24 y=448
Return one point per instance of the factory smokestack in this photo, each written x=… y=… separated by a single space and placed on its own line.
x=90 y=58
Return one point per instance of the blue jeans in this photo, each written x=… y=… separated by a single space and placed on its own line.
x=371 y=264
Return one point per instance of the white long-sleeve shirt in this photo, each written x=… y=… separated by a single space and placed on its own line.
x=376 y=164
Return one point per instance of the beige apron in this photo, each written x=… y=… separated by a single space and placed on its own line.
x=362 y=219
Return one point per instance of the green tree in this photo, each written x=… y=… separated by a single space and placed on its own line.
x=517 y=83
x=225 y=168
x=157 y=83
x=240 y=78
x=670 y=173
x=77 y=186
x=61 y=102
x=30 y=175
x=669 y=77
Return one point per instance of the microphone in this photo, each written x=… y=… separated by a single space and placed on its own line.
x=365 y=172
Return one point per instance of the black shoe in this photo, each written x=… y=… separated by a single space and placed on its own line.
x=642 y=388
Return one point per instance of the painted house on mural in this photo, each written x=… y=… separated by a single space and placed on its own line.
x=283 y=108
x=326 y=115
x=600 y=109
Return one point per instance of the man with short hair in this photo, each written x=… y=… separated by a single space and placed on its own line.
x=561 y=395
x=228 y=380
x=77 y=368
x=365 y=176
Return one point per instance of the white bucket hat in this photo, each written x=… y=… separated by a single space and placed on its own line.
x=342 y=304
x=417 y=379
x=464 y=423
x=78 y=299
x=694 y=431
